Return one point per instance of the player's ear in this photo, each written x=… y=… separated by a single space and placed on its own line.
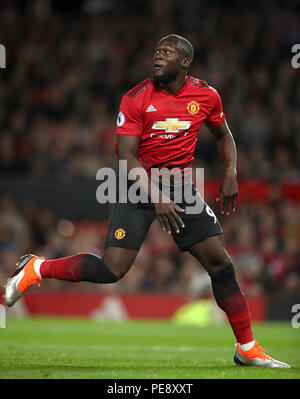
x=186 y=62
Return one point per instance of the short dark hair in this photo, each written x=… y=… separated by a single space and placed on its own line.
x=182 y=44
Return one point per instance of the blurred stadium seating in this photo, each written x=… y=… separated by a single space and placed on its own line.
x=67 y=68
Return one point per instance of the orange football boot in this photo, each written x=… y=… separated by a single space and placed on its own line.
x=256 y=357
x=24 y=276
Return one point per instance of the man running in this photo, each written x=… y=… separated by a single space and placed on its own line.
x=157 y=127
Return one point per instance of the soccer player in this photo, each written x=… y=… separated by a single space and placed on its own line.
x=157 y=127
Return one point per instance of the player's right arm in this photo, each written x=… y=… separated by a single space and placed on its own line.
x=129 y=130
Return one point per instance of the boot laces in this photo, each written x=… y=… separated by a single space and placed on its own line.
x=258 y=351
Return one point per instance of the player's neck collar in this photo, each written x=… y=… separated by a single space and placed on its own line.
x=178 y=91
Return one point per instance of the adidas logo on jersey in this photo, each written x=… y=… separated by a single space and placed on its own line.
x=150 y=108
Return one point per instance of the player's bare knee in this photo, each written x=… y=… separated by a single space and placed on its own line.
x=117 y=268
x=117 y=263
x=218 y=263
x=216 y=268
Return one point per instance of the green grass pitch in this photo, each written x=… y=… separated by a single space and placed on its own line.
x=67 y=348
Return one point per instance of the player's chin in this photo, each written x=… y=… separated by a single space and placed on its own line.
x=160 y=76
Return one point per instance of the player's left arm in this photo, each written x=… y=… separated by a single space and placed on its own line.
x=228 y=191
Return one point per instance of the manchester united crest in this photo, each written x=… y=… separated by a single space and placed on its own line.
x=120 y=233
x=193 y=107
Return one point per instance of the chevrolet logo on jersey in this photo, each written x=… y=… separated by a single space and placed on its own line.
x=171 y=125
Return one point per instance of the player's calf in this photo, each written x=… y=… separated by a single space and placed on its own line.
x=233 y=302
x=80 y=267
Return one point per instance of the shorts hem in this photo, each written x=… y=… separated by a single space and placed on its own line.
x=121 y=246
x=184 y=248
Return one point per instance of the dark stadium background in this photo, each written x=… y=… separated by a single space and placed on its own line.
x=69 y=63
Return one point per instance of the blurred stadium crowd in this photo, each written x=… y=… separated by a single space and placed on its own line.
x=263 y=241
x=59 y=97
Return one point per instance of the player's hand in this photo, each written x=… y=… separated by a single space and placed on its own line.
x=228 y=192
x=167 y=216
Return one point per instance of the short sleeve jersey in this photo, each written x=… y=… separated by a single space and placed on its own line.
x=168 y=124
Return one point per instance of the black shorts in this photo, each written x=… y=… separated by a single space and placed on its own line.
x=130 y=223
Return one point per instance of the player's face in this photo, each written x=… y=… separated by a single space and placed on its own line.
x=166 y=62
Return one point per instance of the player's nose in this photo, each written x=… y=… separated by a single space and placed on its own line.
x=157 y=60
x=157 y=56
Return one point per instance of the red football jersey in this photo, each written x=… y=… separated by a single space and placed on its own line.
x=168 y=124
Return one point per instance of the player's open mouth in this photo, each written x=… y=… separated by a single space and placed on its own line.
x=157 y=66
